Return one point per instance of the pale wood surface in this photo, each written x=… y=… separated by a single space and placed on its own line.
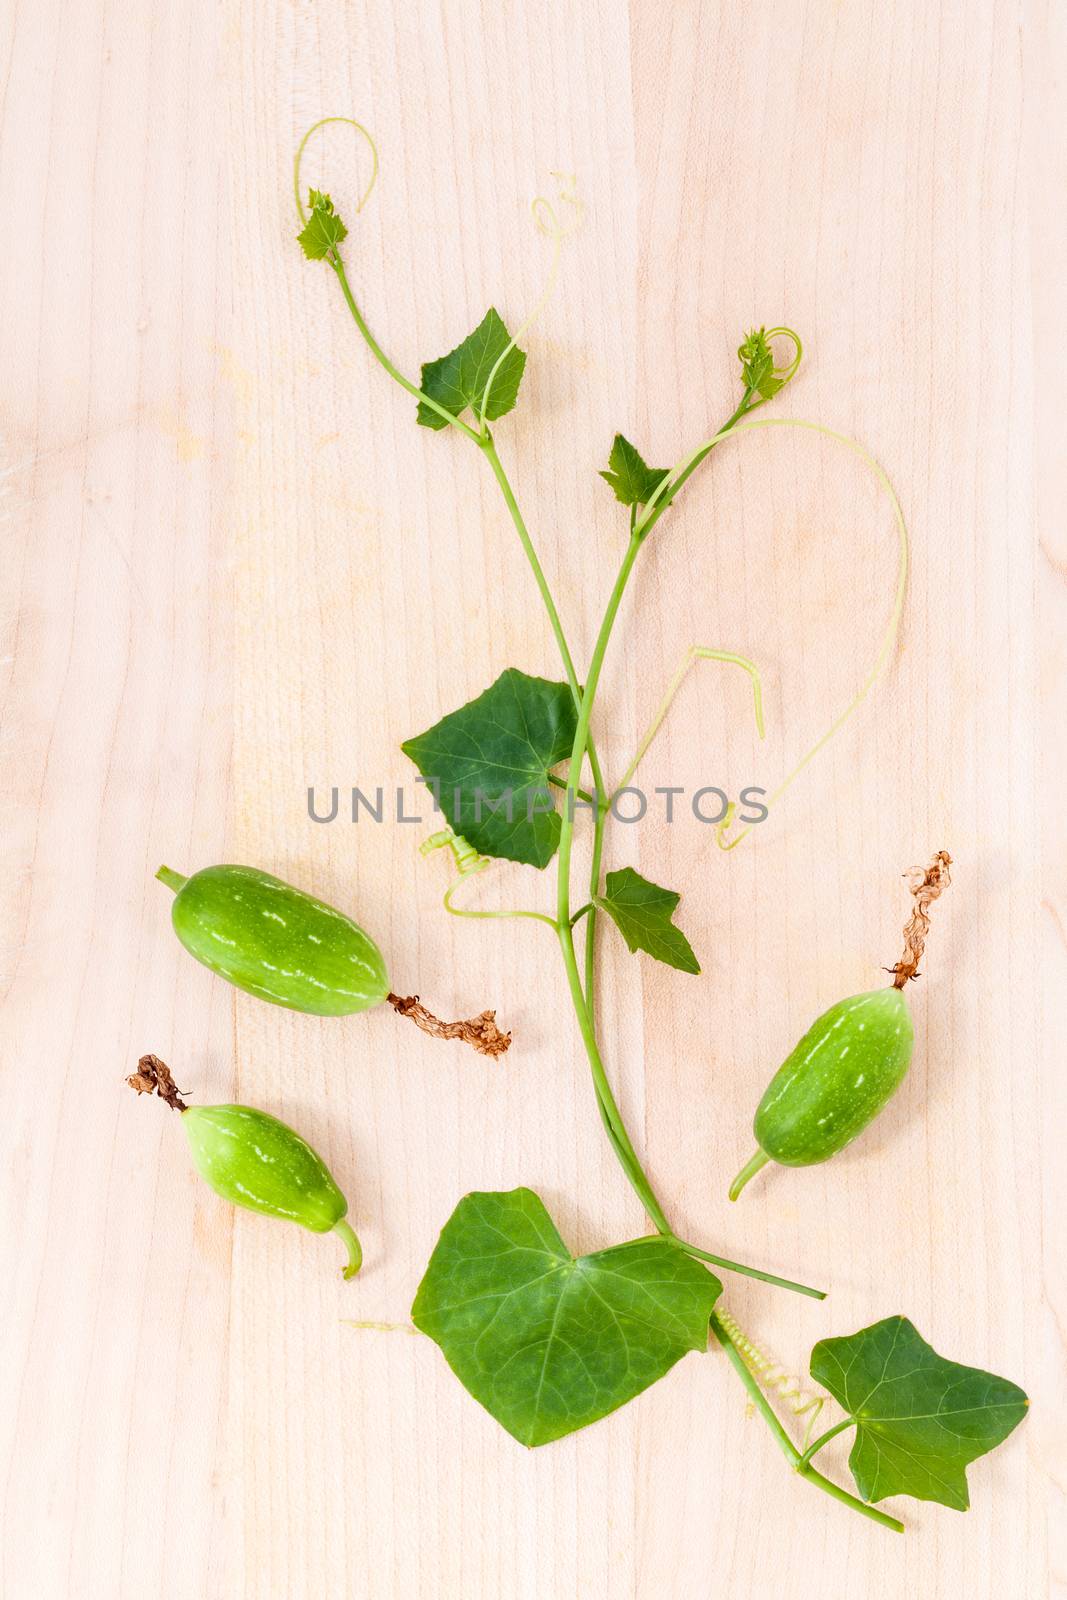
x=233 y=566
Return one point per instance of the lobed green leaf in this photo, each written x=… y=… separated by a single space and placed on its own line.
x=458 y=379
x=634 y=483
x=548 y=1342
x=919 y=1418
x=489 y=763
x=323 y=229
x=642 y=912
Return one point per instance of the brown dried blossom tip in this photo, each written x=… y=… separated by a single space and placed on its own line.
x=154 y=1075
x=480 y=1032
x=925 y=883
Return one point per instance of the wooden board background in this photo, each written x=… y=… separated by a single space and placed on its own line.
x=232 y=567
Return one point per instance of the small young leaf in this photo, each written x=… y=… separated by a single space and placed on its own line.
x=757 y=364
x=489 y=762
x=458 y=380
x=633 y=482
x=919 y=1418
x=323 y=229
x=545 y=1342
x=642 y=912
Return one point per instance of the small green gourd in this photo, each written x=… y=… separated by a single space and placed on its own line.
x=292 y=949
x=850 y=1062
x=256 y=1161
x=275 y=941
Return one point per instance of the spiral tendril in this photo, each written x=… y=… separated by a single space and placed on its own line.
x=786 y=372
x=464 y=855
x=785 y=1386
x=468 y=862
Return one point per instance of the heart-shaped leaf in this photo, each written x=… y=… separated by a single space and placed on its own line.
x=642 y=912
x=547 y=1342
x=919 y=1418
x=458 y=379
x=488 y=764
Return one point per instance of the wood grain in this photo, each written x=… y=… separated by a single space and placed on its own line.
x=233 y=567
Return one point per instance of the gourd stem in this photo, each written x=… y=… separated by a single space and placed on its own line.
x=749 y=1170
x=353 y=1246
x=802 y=1467
x=173 y=880
x=480 y=1032
x=926 y=884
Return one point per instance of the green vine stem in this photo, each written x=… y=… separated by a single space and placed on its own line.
x=746 y=1272
x=798 y=1462
x=489 y=450
x=609 y=1109
x=583 y=794
x=824 y=1438
x=581 y=732
x=334 y=258
x=676 y=479
x=547 y=223
x=599 y=791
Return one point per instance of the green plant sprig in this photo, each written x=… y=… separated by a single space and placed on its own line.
x=321 y=238
x=534 y=1369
